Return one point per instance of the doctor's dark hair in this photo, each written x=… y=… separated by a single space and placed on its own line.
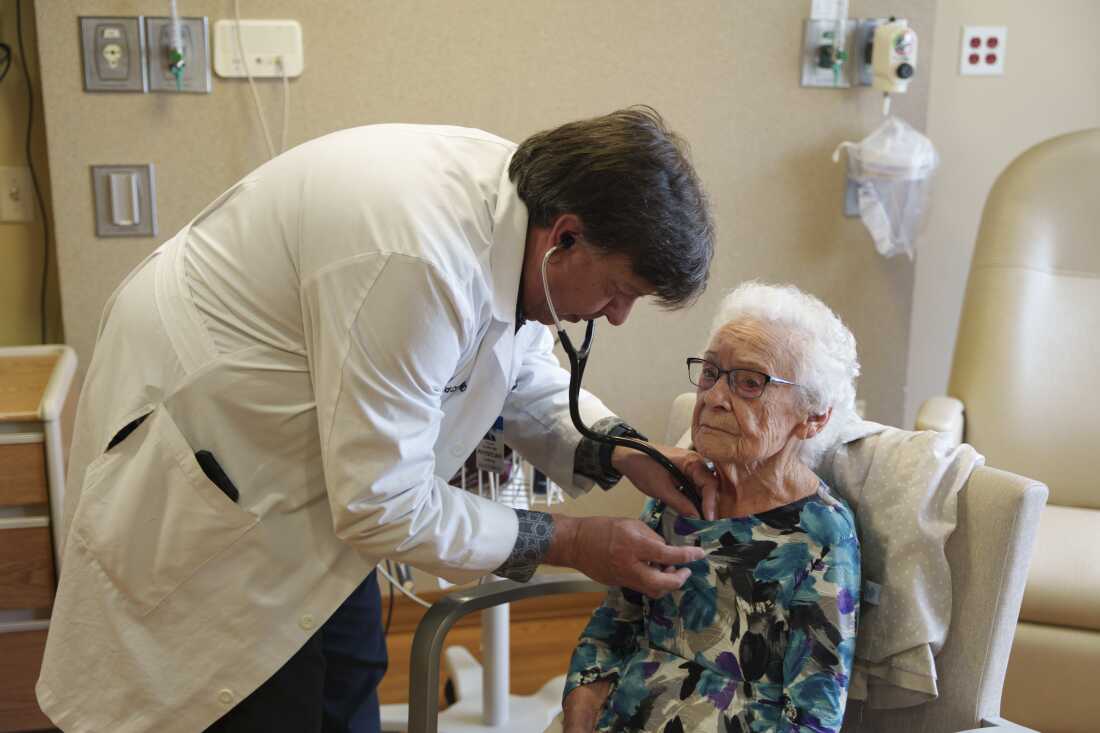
x=629 y=179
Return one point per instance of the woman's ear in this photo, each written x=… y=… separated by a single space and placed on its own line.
x=814 y=424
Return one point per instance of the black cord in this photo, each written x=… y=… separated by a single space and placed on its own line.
x=30 y=165
x=5 y=60
x=389 y=613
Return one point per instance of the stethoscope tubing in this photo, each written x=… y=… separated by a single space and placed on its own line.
x=578 y=360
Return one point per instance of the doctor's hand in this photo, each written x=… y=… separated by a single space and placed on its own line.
x=622 y=552
x=652 y=479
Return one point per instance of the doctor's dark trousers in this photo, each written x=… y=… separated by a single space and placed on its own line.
x=330 y=685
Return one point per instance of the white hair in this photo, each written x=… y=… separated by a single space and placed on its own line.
x=824 y=352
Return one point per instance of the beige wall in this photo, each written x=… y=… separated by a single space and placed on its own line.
x=980 y=125
x=724 y=73
x=21 y=246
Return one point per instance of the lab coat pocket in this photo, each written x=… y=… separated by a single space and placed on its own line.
x=149 y=516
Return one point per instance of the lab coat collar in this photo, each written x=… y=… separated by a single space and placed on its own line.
x=506 y=256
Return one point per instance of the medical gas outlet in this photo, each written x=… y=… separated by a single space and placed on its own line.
x=113 y=51
x=876 y=52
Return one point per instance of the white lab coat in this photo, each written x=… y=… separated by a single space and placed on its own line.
x=339 y=330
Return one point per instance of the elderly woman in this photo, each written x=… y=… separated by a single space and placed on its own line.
x=761 y=636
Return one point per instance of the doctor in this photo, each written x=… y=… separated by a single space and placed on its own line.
x=280 y=392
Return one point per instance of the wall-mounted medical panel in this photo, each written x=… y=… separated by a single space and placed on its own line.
x=194 y=37
x=114 y=54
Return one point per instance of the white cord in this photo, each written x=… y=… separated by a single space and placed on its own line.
x=401 y=588
x=286 y=103
x=177 y=33
x=251 y=81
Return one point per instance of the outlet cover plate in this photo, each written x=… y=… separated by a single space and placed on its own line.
x=274 y=47
x=992 y=43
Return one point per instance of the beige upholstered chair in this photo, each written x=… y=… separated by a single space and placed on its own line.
x=998 y=511
x=1025 y=389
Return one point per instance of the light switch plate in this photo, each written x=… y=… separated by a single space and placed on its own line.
x=196 y=52
x=114 y=54
x=125 y=200
x=16 y=194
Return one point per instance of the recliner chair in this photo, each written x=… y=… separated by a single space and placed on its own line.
x=1025 y=391
x=997 y=510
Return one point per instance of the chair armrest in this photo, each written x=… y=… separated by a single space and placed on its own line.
x=1000 y=725
x=428 y=641
x=942 y=414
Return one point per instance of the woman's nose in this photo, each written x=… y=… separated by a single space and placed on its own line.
x=718 y=395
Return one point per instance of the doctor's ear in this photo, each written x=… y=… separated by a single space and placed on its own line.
x=567 y=240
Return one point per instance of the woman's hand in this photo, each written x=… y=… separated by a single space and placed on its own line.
x=652 y=479
x=581 y=708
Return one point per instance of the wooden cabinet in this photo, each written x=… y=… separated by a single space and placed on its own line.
x=34 y=383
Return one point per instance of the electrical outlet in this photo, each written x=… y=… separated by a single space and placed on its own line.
x=982 y=51
x=194 y=36
x=274 y=48
x=16 y=195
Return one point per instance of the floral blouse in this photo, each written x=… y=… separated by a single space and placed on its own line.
x=759 y=638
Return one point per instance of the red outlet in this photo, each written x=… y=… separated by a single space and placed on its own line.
x=983 y=50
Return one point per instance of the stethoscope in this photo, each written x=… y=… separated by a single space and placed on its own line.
x=578 y=359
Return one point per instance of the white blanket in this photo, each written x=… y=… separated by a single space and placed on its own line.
x=903 y=487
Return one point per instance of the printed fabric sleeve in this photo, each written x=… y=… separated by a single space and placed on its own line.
x=536 y=531
x=614 y=632
x=608 y=641
x=823 y=615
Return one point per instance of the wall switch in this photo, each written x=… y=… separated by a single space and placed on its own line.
x=114 y=54
x=16 y=195
x=194 y=36
x=983 y=50
x=125 y=200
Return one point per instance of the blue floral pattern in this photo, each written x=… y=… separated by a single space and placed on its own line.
x=760 y=638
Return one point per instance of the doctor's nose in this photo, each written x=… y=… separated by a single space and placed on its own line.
x=617 y=310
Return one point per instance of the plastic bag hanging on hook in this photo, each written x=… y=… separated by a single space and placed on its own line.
x=892 y=168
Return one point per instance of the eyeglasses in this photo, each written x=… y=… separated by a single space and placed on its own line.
x=747 y=383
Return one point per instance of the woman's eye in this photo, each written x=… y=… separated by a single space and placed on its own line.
x=750 y=381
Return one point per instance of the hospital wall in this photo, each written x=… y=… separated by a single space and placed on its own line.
x=22 y=248
x=725 y=74
x=979 y=125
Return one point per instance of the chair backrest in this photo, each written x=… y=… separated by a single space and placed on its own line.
x=989 y=554
x=1026 y=357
